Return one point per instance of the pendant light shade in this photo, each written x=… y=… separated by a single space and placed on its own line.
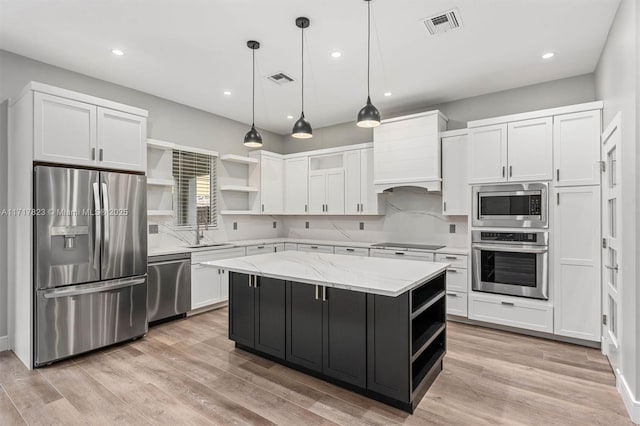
x=369 y=116
x=302 y=128
x=253 y=139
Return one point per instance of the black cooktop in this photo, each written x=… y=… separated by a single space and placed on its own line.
x=410 y=246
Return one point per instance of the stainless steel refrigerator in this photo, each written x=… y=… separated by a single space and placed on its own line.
x=90 y=260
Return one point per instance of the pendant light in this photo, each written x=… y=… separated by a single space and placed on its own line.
x=253 y=139
x=302 y=128
x=369 y=116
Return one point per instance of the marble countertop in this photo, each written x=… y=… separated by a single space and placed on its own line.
x=386 y=277
x=158 y=251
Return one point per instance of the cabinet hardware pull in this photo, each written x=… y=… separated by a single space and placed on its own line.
x=399 y=253
x=306 y=208
x=508 y=303
x=557 y=175
x=510 y=171
x=361 y=208
x=614 y=268
x=503 y=171
x=260 y=247
x=93 y=153
x=453 y=271
x=558 y=198
x=255 y=281
x=263 y=207
x=317 y=293
x=445 y=206
x=452 y=295
x=314 y=247
x=101 y=154
x=324 y=294
x=250 y=279
x=451 y=257
x=350 y=249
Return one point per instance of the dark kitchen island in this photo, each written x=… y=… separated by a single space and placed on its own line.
x=374 y=326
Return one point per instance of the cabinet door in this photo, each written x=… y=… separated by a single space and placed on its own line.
x=352 y=178
x=296 y=191
x=64 y=131
x=317 y=193
x=488 y=154
x=576 y=258
x=335 y=192
x=576 y=148
x=455 y=185
x=241 y=310
x=224 y=285
x=270 y=323
x=205 y=286
x=344 y=336
x=530 y=150
x=304 y=326
x=271 y=185
x=368 y=195
x=122 y=140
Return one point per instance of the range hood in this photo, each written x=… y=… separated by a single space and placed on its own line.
x=406 y=152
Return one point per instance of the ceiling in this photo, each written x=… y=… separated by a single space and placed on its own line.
x=191 y=51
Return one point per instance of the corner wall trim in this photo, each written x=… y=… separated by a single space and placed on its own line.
x=632 y=404
x=4 y=343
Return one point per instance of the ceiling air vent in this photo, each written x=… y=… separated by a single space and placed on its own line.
x=443 y=22
x=280 y=78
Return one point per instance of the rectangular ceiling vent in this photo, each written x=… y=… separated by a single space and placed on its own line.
x=443 y=22
x=280 y=78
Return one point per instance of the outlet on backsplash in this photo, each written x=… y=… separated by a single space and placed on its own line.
x=306 y=225
x=275 y=225
x=235 y=226
x=362 y=226
x=452 y=228
x=153 y=229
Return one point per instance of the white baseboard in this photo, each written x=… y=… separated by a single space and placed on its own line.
x=632 y=404
x=4 y=343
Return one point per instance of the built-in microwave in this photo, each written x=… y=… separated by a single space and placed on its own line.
x=522 y=205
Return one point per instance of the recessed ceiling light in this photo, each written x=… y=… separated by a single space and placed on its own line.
x=289 y=117
x=548 y=55
x=387 y=94
x=117 y=52
x=336 y=54
x=227 y=93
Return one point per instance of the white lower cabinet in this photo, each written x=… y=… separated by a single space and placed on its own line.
x=290 y=246
x=511 y=311
x=210 y=285
x=402 y=254
x=456 y=303
x=351 y=251
x=315 y=248
x=457 y=280
x=278 y=247
x=261 y=249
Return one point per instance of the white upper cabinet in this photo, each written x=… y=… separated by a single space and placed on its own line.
x=296 y=182
x=488 y=154
x=335 y=192
x=353 y=182
x=64 y=130
x=326 y=192
x=368 y=196
x=75 y=129
x=529 y=150
x=455 y=185
x=407 y=151
x=576 y=152
x=317 y=192
x=576 y=263
x=268 y=175
x=122 y=140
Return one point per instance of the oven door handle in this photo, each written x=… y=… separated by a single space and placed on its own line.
x=518 y=249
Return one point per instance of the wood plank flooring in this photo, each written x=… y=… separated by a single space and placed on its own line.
x=188 y=372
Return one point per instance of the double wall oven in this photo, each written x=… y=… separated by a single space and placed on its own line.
x=510 y=241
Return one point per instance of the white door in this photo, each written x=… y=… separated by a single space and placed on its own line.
x=612 y=249
x=224 y=285
x=122 y=140
x=317 y=192
x=271 y=185
x=296 y=185
x=530 y=150
x=64 y=131
x=576 y=148
x=576 y=254
x=352 y=177
x=455 y=187
x=368 y=195
x=335 y=192
x=488 y=154
x=205 y=286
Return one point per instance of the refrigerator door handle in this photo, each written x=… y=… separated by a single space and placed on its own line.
x=89 y=289
x=105 y=214
x=98 y=229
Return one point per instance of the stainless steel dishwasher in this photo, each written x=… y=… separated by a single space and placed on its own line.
x=169 y=286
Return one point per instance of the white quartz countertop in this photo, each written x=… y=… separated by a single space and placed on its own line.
x=386 y=277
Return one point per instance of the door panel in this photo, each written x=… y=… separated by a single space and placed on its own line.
x=455 y=188
x=317 y=193
x=241 y=310
x=271 y=181
x=530 y=150
x=270 y=328
x=488 y=153
x=304 y=326
x=205 y=286
x=122 y=140
x=353 y=177
x=335 y=192
x=66 y=251
x=576 y=148
x=368 y=195
x=296 y=185
x=345 y=336
x=124 y=225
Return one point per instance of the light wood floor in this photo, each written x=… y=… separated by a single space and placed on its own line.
x=187 y=372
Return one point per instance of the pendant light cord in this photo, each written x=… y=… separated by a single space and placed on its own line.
x=368 y=48
x=302 y=65
x=253 y=102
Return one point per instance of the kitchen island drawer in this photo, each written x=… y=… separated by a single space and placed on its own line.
x=456 y=303
x=512 y=312
x=457 y=280
x=456 y=260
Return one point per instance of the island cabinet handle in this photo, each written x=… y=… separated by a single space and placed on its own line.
x=317 y=293
x=324 y=294
x=255 y=281
x=250 y=278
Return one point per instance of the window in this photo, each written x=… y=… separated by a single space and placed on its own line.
x=195 y=187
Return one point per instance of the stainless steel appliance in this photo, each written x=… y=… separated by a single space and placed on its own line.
x=90 y=260
x=169 y=288
x=522 y=205
x=512 y=263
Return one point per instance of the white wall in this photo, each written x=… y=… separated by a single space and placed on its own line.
x=567 y=91
x=617 y=85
